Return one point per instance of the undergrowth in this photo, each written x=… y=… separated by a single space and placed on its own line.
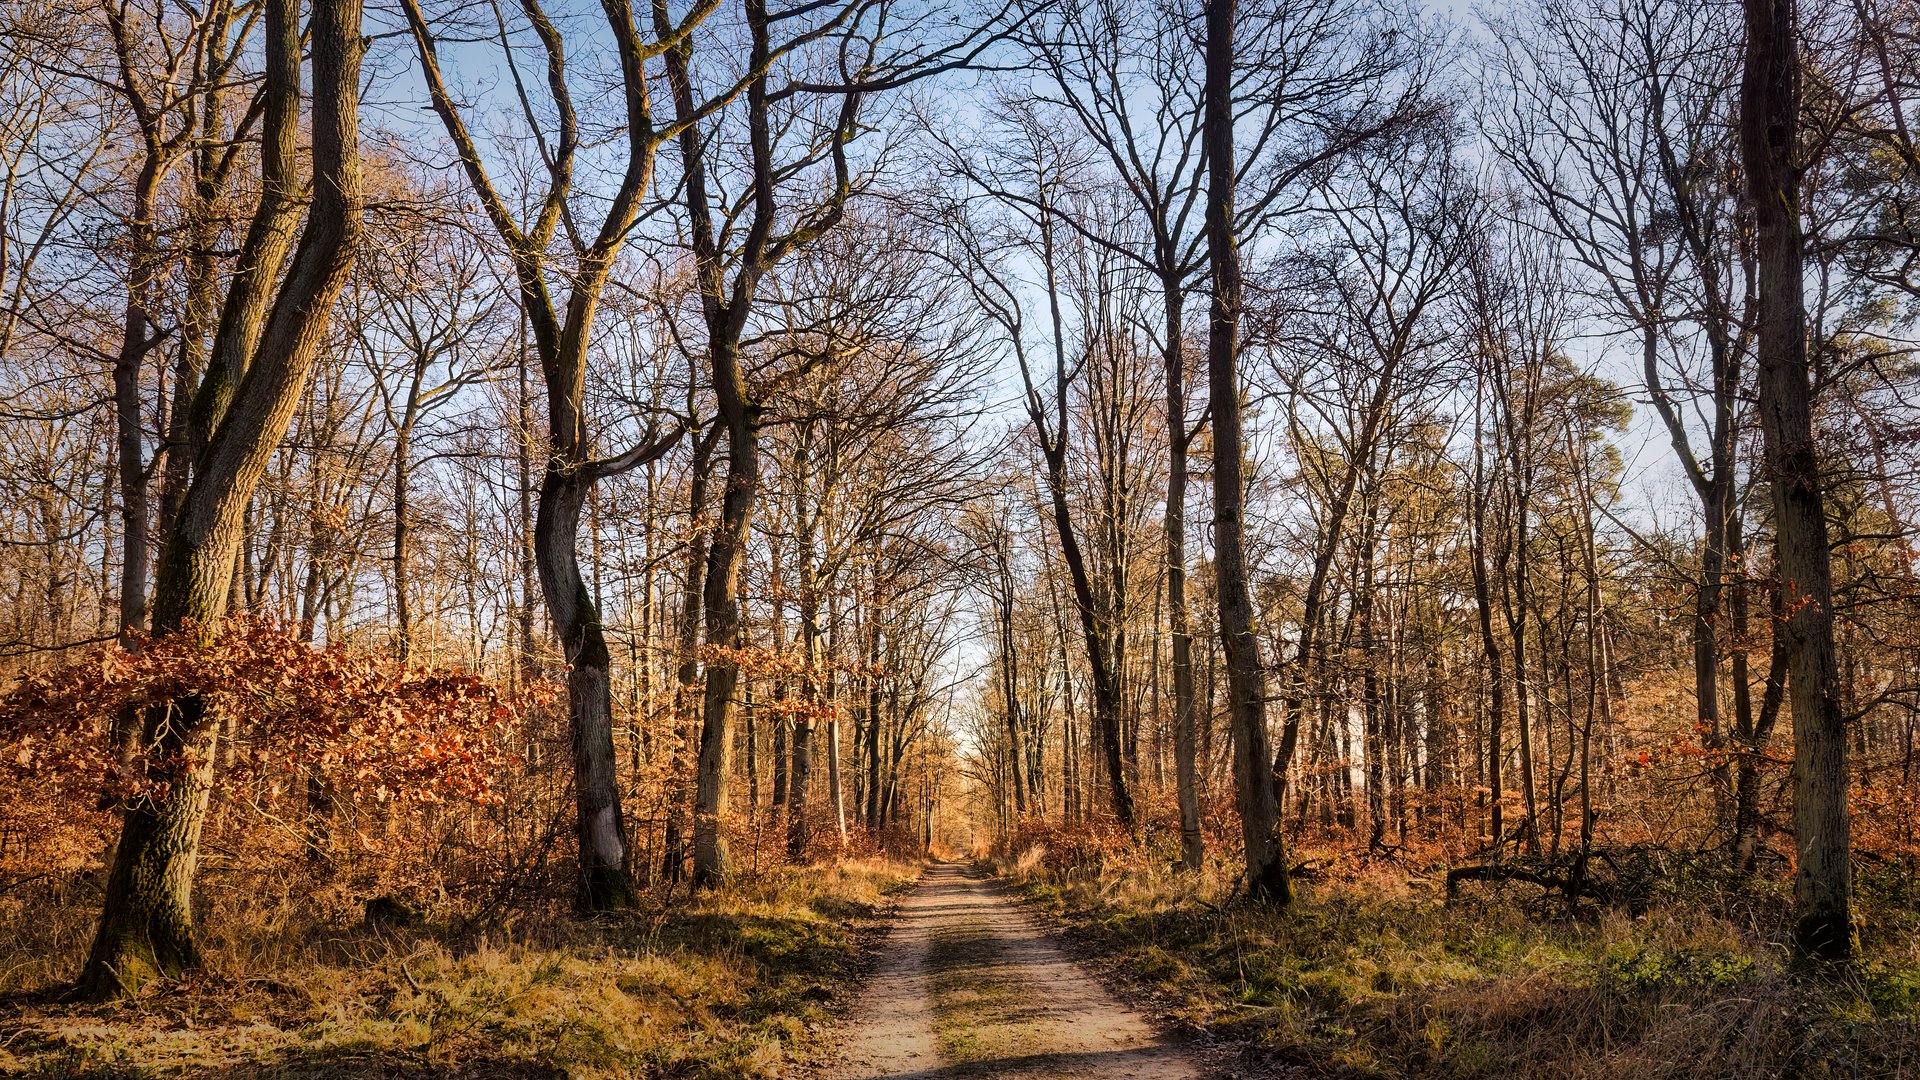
x=1372 y=973
x=733 y=983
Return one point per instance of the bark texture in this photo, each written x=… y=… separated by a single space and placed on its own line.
x=146 y=927
x=1769 y=113
x=1266 y=859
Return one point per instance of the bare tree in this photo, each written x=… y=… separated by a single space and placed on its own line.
x=1125 y=75
x=1268 y=875
x=1770 y=150
x=1617 y=129
x=421 y=329
x=146 y=927
x=812 y=75
x=1363 y=356
x=562 y=334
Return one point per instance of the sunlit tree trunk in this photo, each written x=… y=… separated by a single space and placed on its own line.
x=1179 y=620
x=146 y=928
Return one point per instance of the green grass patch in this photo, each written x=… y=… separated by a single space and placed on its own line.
x=981 y=1012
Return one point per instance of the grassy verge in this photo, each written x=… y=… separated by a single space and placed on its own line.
x=1375 y=976
x=732 y=984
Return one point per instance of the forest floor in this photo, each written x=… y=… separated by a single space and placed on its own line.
x=1071 y=971
x=739 y=982
x=1374 y=973
x=968 y=985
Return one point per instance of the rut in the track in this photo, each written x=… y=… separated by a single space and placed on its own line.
x=968 y=986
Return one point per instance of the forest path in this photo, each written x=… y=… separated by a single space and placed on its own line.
x=969 y=986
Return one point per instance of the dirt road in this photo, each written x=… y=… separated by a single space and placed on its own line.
x=968 y=986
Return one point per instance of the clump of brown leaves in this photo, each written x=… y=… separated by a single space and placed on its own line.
x=357 y=719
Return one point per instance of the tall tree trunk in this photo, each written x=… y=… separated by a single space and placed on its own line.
x=781 y=689
x=780 y=727
x=135 y=342
x=529 y=576
x=1009 y=668
x=685 y=747
x=873 y=719
x=1106 y=698
x=146 y=926
x=1490 y=651
x=1095 y=631
x=130 y=443
x=1599 y=705
x=1769 y=115
x=832 y=703
x=799 y=783
x=1707 y=611
x=402 y=534
x=726 y=304
x=200 y=267
x=1517 y=632
x=711 y=861
x=1373 y=736
x=834 y=792
x=1193 y=845
x=1751 y=739
x=1747 y=810
x=1266 y=860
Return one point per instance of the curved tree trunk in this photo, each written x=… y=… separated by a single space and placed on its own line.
x=561 y=339
x=606 y=879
